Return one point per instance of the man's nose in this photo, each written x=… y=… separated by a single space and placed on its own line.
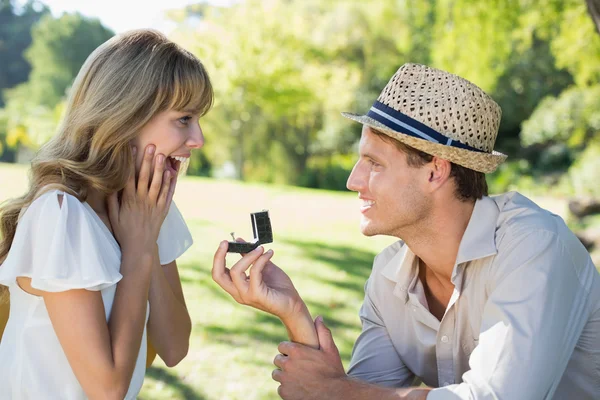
x=356 y=180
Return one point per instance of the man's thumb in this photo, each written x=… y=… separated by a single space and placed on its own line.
x=326 y=342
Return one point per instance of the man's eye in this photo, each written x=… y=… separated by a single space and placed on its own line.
x=185 y=120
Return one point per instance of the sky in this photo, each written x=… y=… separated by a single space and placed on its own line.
x=122 y=15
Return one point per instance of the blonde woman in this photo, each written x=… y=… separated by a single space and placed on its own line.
x=88 y=253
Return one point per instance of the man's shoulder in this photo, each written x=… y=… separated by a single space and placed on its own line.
x=526 y=230
x=519 y=216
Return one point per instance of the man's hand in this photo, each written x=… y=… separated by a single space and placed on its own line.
x=307 y=373
x=266 y=287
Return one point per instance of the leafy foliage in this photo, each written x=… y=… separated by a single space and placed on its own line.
x=283 y=70
x=15 y=37
x=59 y=49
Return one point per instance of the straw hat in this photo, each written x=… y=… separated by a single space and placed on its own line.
x=440 y=114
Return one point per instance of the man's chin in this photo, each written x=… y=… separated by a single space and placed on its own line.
x=367 y=229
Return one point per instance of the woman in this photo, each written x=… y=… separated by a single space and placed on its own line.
x=88 y=253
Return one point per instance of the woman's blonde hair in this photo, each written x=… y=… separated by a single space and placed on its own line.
x=121 y=86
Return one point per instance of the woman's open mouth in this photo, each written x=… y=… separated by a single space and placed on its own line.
x=174 y=163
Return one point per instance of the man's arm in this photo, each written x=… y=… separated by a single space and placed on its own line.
x=306 y=373
x=268 y=288
x=376 y=370
x=374 y=357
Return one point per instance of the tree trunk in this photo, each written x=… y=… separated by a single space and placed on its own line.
x=583 y=207
x=594 y=10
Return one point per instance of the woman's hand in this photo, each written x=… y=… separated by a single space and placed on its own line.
x=267 y=287
x=137 y=218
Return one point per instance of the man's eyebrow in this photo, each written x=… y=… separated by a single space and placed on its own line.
x=370 y=155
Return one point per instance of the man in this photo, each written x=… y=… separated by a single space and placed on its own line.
x=482 y=298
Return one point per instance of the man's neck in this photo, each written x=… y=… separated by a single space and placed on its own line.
x=437 y=240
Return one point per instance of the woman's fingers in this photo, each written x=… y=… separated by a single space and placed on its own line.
x=129 y=189
x=165 y=191
x=157 y=178
x=144 y=177
x=171 y=192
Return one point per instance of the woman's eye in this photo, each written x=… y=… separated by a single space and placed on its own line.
x=185 y=120
x=373 y=163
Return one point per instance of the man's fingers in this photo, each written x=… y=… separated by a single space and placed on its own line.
x=220 y=273
x=280 y=361
x=287 y=348
x=238 y=271
x=277 y=375
x=143 y=179
x=256 y=280
x=326 y=342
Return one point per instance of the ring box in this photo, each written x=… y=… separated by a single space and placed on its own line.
x=263 y=233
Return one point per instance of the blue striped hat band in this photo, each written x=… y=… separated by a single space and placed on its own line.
x=399 y=122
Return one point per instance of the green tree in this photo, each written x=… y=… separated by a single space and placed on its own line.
x=282 y=80
x=59 y=48
x=272 y=89
x=15 y=37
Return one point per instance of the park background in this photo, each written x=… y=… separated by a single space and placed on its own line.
x=283 y=71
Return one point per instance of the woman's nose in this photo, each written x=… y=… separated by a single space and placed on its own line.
x=196 y=138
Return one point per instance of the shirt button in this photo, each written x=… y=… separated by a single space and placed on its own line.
x=403 y=288
x=445 y=339
x=446 y=383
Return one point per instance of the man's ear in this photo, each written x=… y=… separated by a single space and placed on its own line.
x=439 y=171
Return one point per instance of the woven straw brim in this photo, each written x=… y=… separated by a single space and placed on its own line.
x=481 y=162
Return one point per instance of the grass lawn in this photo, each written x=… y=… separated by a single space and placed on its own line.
x=317 y=242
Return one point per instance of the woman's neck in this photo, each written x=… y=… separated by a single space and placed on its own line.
x=97 y=200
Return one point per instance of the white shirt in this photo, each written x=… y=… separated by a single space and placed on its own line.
x=61 y=248
x=523 y=321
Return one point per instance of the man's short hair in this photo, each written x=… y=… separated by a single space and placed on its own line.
x=469 y=184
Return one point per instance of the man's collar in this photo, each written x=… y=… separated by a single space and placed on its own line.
x=399 y=269
x=478 y=241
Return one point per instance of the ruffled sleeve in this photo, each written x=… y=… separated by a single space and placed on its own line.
x=61 y=247
x=174 y=237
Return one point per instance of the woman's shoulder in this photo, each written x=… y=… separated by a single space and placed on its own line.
x=49 y=203
x=56 y=207
x=60 y=246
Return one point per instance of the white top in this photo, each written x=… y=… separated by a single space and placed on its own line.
x=523 y=321
x=62 y=248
